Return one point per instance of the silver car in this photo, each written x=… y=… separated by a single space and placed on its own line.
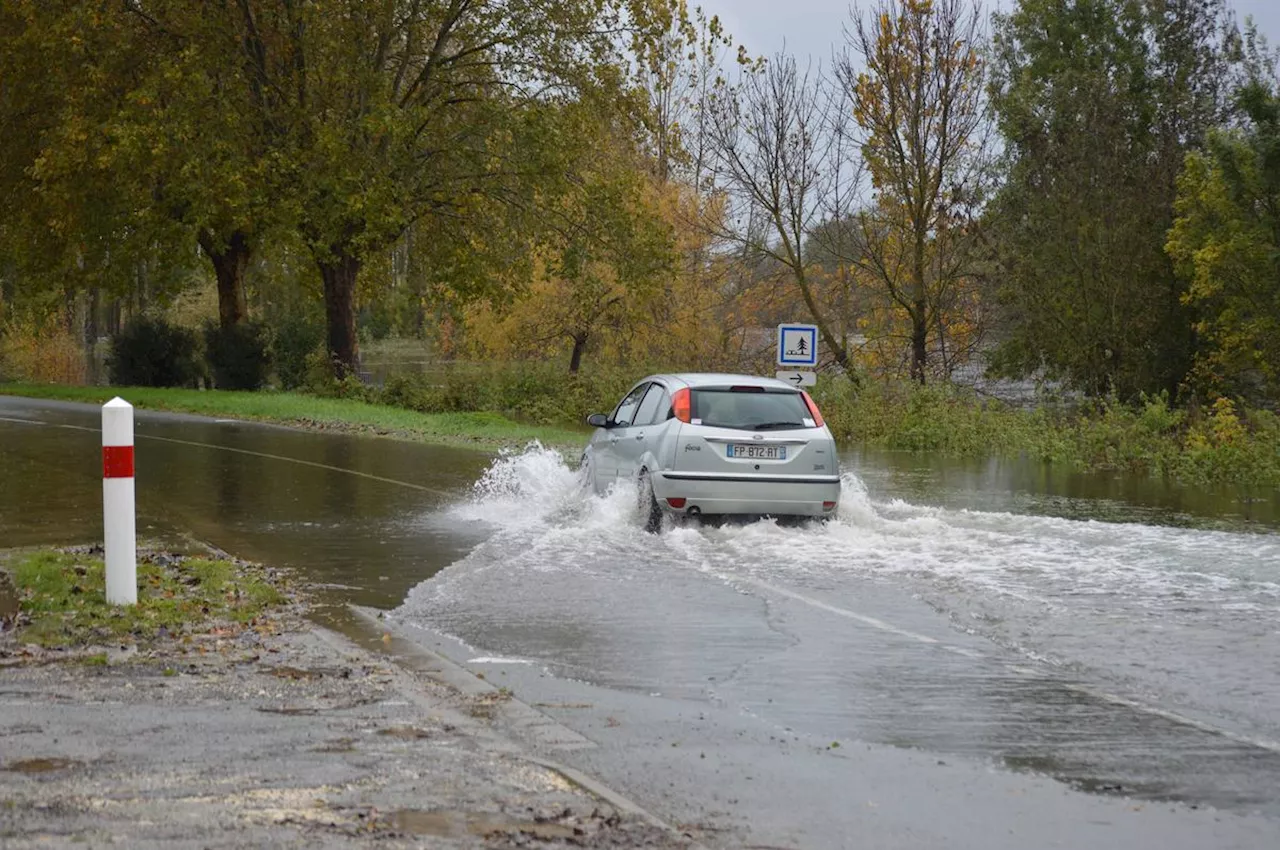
x=708 y=444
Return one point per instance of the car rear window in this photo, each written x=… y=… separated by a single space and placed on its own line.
x=750 y=410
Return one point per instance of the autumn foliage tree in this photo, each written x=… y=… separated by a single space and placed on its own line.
x=918 y=99
x=603 y=246
x=343 y=121
x=1226 y=244
x=781 y=160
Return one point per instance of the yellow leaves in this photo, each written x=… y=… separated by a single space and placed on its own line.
x=1223 y=246
x=41 y=349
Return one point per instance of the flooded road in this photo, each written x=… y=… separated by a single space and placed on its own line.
x=345 y=510
x=948 y=663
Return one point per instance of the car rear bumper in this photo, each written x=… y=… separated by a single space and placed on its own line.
x=814 y=496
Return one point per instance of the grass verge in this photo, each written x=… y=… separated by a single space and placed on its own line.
x=61 y=599
x=478 y=430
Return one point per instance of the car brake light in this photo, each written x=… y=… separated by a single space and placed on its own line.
x=826 y=506
x=680 y=405
x=746 y=389
x=813 y=408
x=676 y=502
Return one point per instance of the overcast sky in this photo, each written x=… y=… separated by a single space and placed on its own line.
x=811 y=27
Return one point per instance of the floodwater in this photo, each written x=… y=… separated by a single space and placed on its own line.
x=341 y=509
x=1053 y=626
x=1118 y=634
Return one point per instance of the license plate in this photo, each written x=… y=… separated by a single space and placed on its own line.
x=751 y=452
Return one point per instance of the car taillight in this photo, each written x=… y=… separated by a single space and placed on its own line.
x=680 y=405
x=813 y=408
x=676 y=501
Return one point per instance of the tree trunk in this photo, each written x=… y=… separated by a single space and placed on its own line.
x=919 y=336
x=230 y=261
x=919 y=312
x=579 y=346
x=838 y=351
x=339 y=275
x=91 y=338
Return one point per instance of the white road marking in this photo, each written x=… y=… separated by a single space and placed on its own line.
x=311 y=463
x=22 y=421
x=496 y=659
x=1182 y=719
x=874 y=622
x=285 y=458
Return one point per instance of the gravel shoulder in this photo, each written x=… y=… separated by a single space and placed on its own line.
x=292 y=737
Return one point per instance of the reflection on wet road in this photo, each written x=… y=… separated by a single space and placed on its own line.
x=783 y=684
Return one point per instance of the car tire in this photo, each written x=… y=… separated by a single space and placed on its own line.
x=650 y=513
x=587 y=474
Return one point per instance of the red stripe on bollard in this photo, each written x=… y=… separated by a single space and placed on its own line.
x=117 y=461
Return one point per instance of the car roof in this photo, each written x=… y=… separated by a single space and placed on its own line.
x=720 y=379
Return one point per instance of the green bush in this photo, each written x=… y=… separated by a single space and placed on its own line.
x=151 y=352
x=1230 y=445
x=297 y=337
x=238 y=356
x=539 y=393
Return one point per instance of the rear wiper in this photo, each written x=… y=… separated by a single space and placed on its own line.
x=771 y=426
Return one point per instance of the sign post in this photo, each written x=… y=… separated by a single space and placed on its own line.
x=119 y=532
x=797 y=346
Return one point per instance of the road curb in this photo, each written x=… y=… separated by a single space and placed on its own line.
x=530 y=724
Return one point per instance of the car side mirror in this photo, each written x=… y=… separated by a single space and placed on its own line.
x=598 y=420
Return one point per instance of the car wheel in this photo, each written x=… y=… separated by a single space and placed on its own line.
x=587 y=474
x=650 y=513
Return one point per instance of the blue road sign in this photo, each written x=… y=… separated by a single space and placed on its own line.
x=797 y=345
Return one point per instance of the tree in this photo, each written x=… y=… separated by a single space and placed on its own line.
x=187 y=129
x=72 y=225
x=604 y=244
x=780 y=147
x=918 y=99
x=148 y=145
x=405 y=109
x=1098 y=103
x=1226 y=244
x=677 y=76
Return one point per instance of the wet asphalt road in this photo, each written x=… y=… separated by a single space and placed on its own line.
x=910 y=677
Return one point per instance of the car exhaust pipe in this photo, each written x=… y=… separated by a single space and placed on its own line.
x=694 y=510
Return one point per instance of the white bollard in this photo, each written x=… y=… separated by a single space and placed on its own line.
x=118 y=518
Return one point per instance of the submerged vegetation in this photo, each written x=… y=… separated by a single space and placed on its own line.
x=1222 y=444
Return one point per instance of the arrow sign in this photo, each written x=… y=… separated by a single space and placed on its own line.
x=799 y=379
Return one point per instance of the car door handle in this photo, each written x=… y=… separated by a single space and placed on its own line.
x=639 y=436
x=613 y=440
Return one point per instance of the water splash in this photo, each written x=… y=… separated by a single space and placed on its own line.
x=536 y=488
x=1041 y=559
